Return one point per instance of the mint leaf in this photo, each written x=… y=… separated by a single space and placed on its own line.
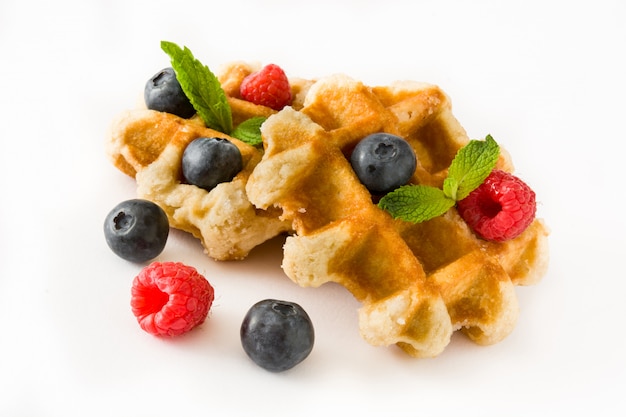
x=250 y=131
x=471 y=165
x=416 y=203
x=201 y=87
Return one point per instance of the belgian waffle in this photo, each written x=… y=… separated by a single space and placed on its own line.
x=417 y=283
x=148 y=145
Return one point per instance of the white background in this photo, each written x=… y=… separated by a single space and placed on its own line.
x=545 y=78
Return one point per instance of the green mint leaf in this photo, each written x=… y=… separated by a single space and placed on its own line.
x=250 y=131
x=416 y=203
x=450 y=188
x=470 y=167
x=201 y=87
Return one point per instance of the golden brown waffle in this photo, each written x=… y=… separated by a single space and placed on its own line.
x=417 y=282
x=148 y=145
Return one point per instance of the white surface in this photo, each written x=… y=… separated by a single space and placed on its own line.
x=546 y=79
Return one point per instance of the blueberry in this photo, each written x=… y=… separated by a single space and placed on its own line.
x=164 y=93
x=210 y=161
x=383 y=162
x=277 y=335
x=136 y=230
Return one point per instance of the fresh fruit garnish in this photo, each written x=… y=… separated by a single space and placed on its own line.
x=469 y=168
x=495 y=204
x=268 y=87
x=383 y=162
x=207 y=162
x=205 y=93
x=277 y=335
x=136 y=230
x=501 y=208
x=170 y=298
x=163 y=92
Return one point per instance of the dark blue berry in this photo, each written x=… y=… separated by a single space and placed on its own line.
x=277 y=335
x=164 y=93
x=136 y=230
x=383 y=162
x=211 y=161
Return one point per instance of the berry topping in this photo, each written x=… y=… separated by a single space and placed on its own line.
x=170 y=298
x=136 y=230
x=209 y=161
x=501 y=208
x=164 y=93
x=277 y=335
x=383 y=162
x=268 y=87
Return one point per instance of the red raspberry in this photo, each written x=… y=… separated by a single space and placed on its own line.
x=170 y=298
x=501 y=208
x=268 y=87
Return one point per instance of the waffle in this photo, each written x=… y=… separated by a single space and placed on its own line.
x=148 y=146
x=417 y=283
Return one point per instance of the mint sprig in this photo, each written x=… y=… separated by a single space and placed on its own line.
x=472 y=164
x=470 y=167
x=201 y=86
x=249 y=131
x=206 y=95
x=416 y=202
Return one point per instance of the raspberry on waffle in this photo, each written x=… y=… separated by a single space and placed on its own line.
x=417 y=282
